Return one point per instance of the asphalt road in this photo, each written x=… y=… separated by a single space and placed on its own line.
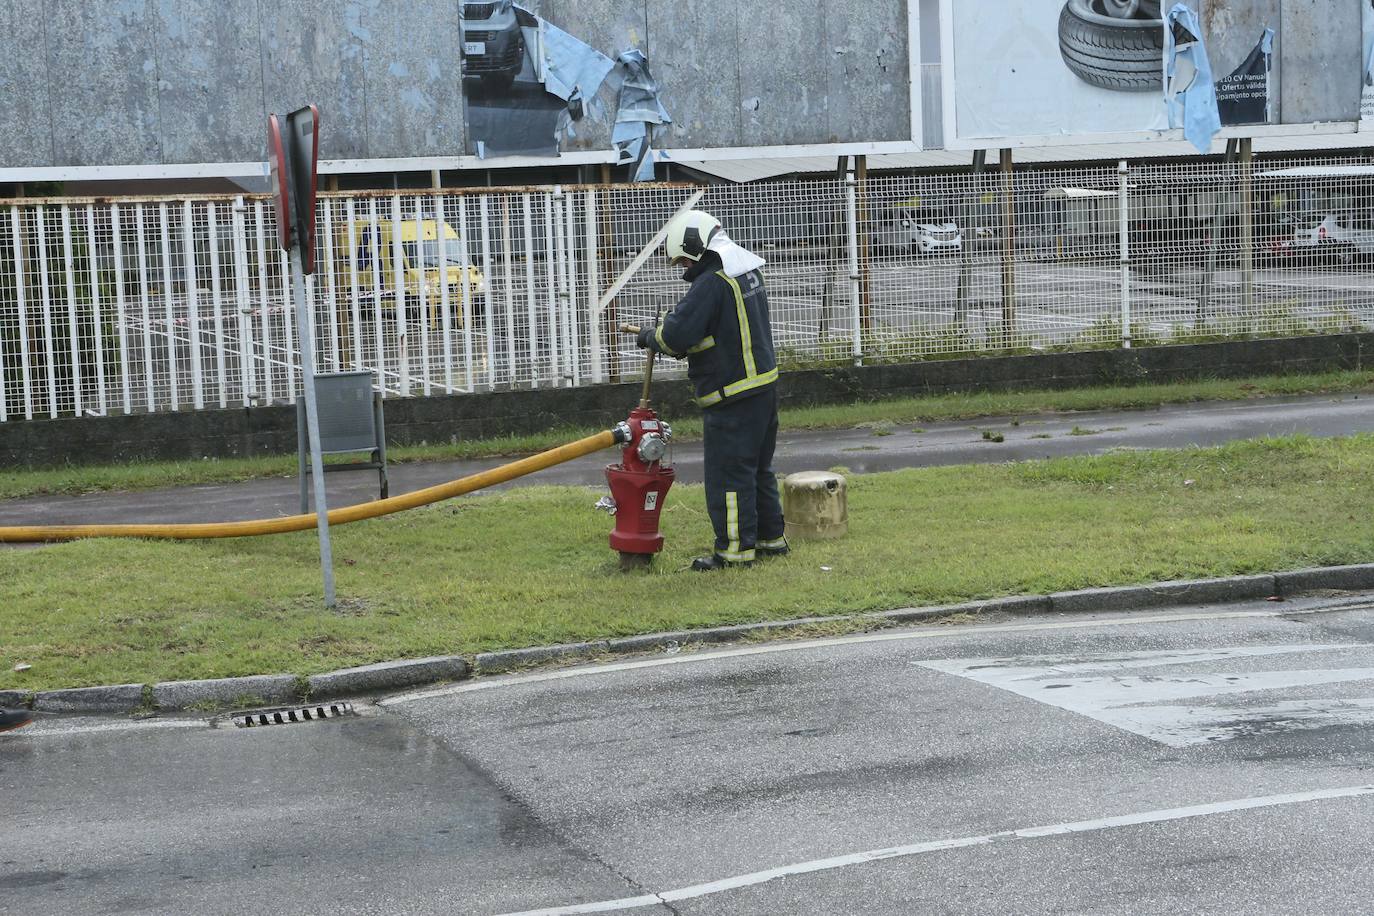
x=1198 y=760
x=861 y=450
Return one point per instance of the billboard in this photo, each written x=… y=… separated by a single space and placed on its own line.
x=181 y=89
x=1042 y=72
x=540 y=79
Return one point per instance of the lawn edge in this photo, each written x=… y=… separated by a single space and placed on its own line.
x=219 y=694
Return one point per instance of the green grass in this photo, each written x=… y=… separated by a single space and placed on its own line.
x=532 y=566
x=880 y=415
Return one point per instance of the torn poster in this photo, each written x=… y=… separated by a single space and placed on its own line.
x=638 y=112
x=1243 y=96
x=525 y=80
x=1189 y=93
x=573 y=70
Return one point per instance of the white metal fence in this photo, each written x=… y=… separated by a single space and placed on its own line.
x=130 y=305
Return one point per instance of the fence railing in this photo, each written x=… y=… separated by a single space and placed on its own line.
x=131 y=305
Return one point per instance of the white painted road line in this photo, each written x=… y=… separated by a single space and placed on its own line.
x=915 y=849
x=44 y=727
x=1099 y=687
x=493 y=683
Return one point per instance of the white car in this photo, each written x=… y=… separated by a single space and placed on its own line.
x=1328 y=240
x=1344 y=241
x=920 y=233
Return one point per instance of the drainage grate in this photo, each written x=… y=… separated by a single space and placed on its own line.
x=287 y=716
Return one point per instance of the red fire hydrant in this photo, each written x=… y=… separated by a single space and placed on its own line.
x=639 y=485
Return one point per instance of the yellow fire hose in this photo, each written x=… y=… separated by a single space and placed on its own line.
x=355 y=513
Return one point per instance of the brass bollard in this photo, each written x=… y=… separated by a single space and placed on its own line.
x=815 y=505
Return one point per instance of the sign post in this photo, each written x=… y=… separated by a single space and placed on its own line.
x=293 y=155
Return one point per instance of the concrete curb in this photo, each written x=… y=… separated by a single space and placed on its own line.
x=1162 y=594
x=283 y=689
x=387 y=676
x=117 y=698
x=257 y=690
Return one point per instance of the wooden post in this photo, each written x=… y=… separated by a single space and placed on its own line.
x=1008 y=250
x=1247 y=226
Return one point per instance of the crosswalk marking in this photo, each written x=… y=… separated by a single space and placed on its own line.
x=1121 y=690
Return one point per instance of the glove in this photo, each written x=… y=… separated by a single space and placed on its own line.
x=644 y=338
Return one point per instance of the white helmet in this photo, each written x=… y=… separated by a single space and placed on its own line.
x=688 y=235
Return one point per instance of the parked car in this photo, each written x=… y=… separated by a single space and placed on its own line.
x=493 y=47
x=1335 y=240
x=919 y=232
x=427 y=267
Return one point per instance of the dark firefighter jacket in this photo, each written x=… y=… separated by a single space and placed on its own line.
x=722 y=327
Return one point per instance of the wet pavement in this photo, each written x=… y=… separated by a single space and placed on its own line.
x=865 y=450
x=938 y=769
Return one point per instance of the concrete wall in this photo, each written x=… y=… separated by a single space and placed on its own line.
x=272 y=430
x=121 y=82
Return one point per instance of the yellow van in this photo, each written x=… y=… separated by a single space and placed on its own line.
x=423 y=259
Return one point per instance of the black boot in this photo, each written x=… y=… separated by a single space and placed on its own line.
x=716 y=561
x=13 y=718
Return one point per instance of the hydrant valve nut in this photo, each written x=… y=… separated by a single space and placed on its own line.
x=652 y=447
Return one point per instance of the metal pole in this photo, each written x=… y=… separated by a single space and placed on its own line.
x=593 y=281
x=244 y=309
x=1247 y=227
x=648 y=365
x=855 y=295
x=563 y=244
x=607 y=251
x=1008 y=251
x=506 y=252
x=1205 y=296
x=312 y=420
x=1123 y=208
x=21 y=278
x=861 y=173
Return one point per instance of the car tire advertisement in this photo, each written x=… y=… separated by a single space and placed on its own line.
x=1042 y=71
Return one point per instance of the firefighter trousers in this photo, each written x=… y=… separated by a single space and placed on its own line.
x=741 y=488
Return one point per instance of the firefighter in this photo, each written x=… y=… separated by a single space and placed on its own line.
x=721 y=326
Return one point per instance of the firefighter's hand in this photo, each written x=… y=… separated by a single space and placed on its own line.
x=645 y=335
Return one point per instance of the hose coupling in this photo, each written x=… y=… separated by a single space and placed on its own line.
x=622 y=432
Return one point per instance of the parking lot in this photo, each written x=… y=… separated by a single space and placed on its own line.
x=226 y=350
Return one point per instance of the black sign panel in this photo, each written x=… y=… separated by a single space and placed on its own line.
x=1243 y=96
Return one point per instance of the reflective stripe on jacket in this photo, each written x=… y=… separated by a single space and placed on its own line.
x=722 y=328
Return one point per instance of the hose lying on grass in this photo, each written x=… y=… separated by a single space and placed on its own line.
x=355 y=513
